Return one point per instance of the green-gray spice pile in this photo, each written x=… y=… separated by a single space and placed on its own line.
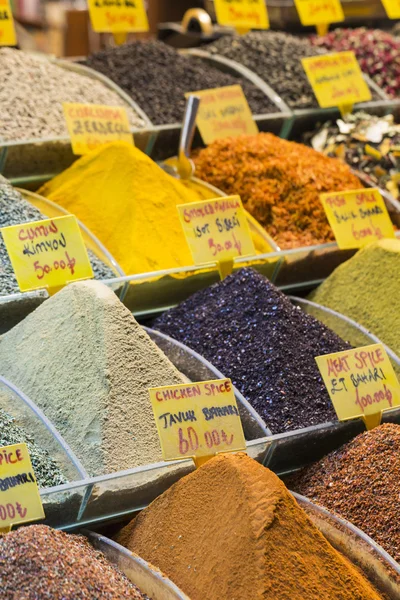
x=46 y=470
x=40 y=563
x=361 y=482
x=14 y=209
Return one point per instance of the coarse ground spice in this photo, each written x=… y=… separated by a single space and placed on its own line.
x=129 y=203
x=253 y=334
x=47 y=471
x=366 y=288
x=85 y=361
x=33 y=90
x=232 y=531
x=279 y=183
x=39 y=563
x=157 y=77
x=14 y=209
x=360 y=482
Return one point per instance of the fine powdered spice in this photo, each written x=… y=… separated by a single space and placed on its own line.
x=14 y=209
x=33 y=90
x=38 y=563
x=253 y=334
x=129 y=203
x=232 y=531
x=361 y=482
x=84 y=360
x=279 y=183
x=46 y=470
x=157 y=77
x=366 y=288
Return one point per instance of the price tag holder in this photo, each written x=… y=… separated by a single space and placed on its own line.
x=392 y=8
x=19 y=494
x=47 y=254
x=224 y=112
x=7 y=28
x=217 y=231
x=336 y=80
x=361 y=383
x=243 y=15
x=319 y=13
x=357 y=217
x=197 y=420
x=92 y=125
x=118 y=16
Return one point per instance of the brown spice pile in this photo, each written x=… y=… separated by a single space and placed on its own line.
x=38 y=562
x=232 y=531
x=361 y=482
x=279 y=183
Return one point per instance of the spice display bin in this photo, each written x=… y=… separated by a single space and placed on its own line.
x=31 y=162
x=376 y=564
x=148 y=579
x=116 y=495
x=15 y=307
x=293 y=450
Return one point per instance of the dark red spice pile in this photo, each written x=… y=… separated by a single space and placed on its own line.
x=377 y=51
x=360 y=482
x=38 y=563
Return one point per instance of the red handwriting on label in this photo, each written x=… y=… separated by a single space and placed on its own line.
x=43 y=270
x=363 y=360
x=243 y=15
x=190 y=441
x=11 y=511
x=318 y=7
x=10 y=458
x=193 y=391
x=371 y=230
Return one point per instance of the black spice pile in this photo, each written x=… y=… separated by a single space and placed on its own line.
x=14 y=209
x=157 y=77
x=367 y=143
x=361 y=482
x=253 y=334
x=276 y=58
x=37 y=563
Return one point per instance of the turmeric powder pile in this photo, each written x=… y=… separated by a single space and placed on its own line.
x=129 y=203
x=232 y=531
x=279 y=183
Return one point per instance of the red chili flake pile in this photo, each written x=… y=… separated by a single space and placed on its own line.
x=360 y=482
x=38 y=563
x=377 y=51
x=279 y=183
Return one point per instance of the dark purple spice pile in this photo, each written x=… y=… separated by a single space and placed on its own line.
x=37 y=563
x=253 y=334
x=360 y=482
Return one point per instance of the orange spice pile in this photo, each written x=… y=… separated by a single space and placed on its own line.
x=279 y=183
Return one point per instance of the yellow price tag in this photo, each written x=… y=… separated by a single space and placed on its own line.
x=242 y=14
x=19 y=495
x=216 y=230
x=336 y=79
x=48 y=253
x=224 y=112
x=118 y=16
x=357 y=217
x=196 y=420
x=7 y=28
x=360 y=383
x=92 y=125
x=392 y=8
x=319 y=12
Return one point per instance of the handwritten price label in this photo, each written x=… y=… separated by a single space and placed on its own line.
x=360 y=382
x=392 y=8
x=336 y=79
x=197 y=419
x=19 y=495
x=118 y=16
x=224 y=112
x=216 y=230
x=92 y=125
x=48 y=253
x=358 y=217
x=318 y=12
x=7 y=28
x=243 y=14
